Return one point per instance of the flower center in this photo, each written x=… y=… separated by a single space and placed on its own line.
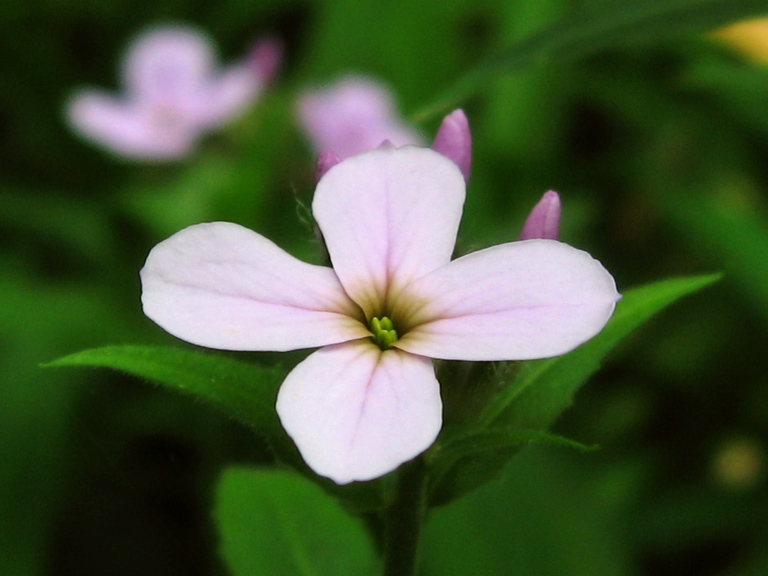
x=383 y=331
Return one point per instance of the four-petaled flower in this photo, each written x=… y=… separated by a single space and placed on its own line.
x=368 y=399
x=173 y=94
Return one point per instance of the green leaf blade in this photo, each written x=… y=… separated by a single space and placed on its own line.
x=732 y=234
x=545 y=387
x=246 y=392
x=587 y=31
x=454 y=463
x=537 y=395
x=277 y=523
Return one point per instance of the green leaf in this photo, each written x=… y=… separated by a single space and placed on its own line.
x=277 y=523
x=244 y=391
x=548 y=515
x=604 y=25
x=454 y=463
x=729 y=230
x=494 y=439
x=542 y=389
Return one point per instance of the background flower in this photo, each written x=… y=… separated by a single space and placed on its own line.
x=172 y=94
x=351 y=116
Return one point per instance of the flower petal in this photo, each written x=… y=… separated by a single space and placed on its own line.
x=356 y=412
x=127 y=129
x=227 y=95
x=168 y=64
x=388 y=216
x=517 y=301
x=223 y=286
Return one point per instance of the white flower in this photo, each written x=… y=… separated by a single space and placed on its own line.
x=369 y=400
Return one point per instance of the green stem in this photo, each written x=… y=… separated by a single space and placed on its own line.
x=404 y=519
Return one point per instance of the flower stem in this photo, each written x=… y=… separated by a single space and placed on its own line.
x=404 y=519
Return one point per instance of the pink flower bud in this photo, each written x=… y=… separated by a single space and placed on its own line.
x=544 y=219
x=454 y=141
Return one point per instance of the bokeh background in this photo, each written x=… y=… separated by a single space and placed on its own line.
x=659 y=149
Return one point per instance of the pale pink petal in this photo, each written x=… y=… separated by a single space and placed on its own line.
x=127 y=129
x=388 y=216
x=352 y=116
x=168 y=65
x=227 y=96
x=544 y=219
x=454 y=140
x=223 y=286
x=356 y=412
x=516 y=301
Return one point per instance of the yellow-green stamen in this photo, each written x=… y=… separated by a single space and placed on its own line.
x=384 y=333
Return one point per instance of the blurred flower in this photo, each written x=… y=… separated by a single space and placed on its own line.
x=749 y=37
x=173 y=94
x=353 y=116
x=369 y=400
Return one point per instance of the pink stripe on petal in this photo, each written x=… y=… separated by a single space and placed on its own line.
x=223 y=286
x=356 y=412
x=388 y=216
x=517 y=301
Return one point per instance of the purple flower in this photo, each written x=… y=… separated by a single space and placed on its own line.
x=368 y=399
x=173 y=93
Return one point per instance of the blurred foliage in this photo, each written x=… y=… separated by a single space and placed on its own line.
x=658 y=147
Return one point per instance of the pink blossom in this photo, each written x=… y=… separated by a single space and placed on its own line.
x=368 y=399
x=353 y=116
x=173 y=93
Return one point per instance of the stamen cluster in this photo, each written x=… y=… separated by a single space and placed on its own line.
x=384 y=333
